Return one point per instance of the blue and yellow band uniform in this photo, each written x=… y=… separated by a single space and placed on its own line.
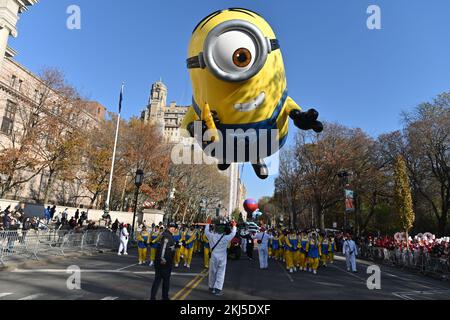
x=325 y=248
x=314 y=253
x=189 y=238
x=303 y=251
x=177 y=239
x=155 y=236
x=281 y=242
x=205 y=250
x=291 y=248
x=332 y=250
x=276 y=248
x=143 y=240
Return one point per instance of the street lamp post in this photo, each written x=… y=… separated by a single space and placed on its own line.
x=168 y=215
x=344 y=177
x=138 y=181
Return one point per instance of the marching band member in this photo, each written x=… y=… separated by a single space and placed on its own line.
x=143 y=240
x=205 y=250
x=276 y=246
x=177 y=239
x=332 y=250
x=303 y=252
x=189 y=238
x=325 y=250
x=154 y=244
x=291 y=242
x=314 y=253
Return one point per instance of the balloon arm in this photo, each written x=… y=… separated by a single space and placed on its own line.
x=210 y=121
x=303 y=120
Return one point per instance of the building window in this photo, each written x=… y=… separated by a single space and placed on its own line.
x=8 y=118
x=20 y=85
x=13 y=81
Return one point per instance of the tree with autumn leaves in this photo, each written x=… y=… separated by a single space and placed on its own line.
x=402 y=196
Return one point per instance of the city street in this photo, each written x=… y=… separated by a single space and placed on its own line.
x=110 y=277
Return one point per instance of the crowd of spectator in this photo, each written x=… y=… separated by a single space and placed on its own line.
x=426 y=244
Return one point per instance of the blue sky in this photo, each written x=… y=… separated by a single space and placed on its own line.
x=352 y=75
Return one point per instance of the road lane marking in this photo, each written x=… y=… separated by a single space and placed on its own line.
x=32 y=297
x=179 y=293
x=285 y=272
x=194 y=285
x=110 y=298
x=350 y=273
x=5 y=294
x=127 y=267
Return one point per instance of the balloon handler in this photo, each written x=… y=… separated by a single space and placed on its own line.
x=240 y=90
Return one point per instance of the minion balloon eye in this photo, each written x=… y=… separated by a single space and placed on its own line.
x=240 y=90
x=235 y=50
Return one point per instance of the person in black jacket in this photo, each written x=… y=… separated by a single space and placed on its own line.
x=163 y=262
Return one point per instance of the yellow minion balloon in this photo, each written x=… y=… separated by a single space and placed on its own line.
x=240 y=99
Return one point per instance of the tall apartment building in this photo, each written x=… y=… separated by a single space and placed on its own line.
x=167 y=117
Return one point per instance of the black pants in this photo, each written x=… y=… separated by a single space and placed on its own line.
x=161 y=274
x=250 y=250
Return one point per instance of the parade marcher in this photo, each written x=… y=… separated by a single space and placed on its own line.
x=275 y=244
x=177 y=257
x=350 y=251
x=303 y=250
x=123 y=240
x=154 y=244
x=189 y=239
x=314 y=253
x=332 y=250
x=143 y=239
x=283 y=245
x=218 y=262
x=164 y=261
x=325 y=250
x=291 y=242
x=205 y=250
x=263 y=245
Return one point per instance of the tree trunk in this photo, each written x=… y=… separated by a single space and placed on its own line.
x=48 y=186
x=442 y=224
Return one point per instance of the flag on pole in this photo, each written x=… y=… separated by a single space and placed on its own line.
x=120 y=99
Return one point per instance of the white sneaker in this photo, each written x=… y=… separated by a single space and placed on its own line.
x=176 y=266
x=125 y=254
x=301 y=269
x=119 y=254
x=291 y=270
x=295 y=269
x=151 y=264
x=140 y=262
x=188 y=266
x=315 y=272
x=310 y=270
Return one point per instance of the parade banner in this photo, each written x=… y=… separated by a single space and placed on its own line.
x=349 y=201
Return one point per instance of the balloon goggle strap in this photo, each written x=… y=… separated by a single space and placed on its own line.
x=198 y=62
x=264 y=46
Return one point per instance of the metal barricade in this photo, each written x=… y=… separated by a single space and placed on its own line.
x=32 y=243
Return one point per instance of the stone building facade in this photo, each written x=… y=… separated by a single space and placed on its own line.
x=21 y=92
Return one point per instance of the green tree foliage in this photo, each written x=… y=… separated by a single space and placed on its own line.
x=402 y=196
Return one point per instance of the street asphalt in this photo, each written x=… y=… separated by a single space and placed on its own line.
x=107 y=276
